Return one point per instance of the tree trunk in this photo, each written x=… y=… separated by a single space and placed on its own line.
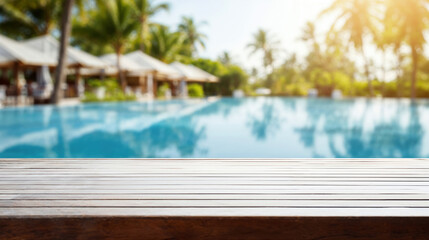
x=414 y=73
x=60 y=74
x=120 y=73
x=16 y=81
x=367 y=74
x=142 y=47
x=78 y=78
x=383 y=90
x=399 y=75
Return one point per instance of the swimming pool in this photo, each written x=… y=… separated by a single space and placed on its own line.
x=223 y=128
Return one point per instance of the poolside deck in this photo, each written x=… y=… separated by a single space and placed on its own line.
x=214 y=199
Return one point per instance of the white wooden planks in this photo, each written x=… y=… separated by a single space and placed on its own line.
x=214 y=187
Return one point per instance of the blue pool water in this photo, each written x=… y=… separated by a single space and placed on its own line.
x=225 y=128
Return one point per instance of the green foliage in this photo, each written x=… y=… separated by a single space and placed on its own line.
x=326 y=82
x=162 y=90
x=110 y=23
x=111 y=84
x=284 y=79
x=225 y=58
x=195 y=91
x=264 y=43
x=105 y=26
x=231 y=77
x=297 y=90
x=194 y=37
x=234 y=78
x=29 y=18
x=360 y=89
x=215 y=68
x=144 y=10
x=407 y=22
x=391 y=89
x=166 y=45
x=422 y=89
x=90 y=97
x=96 y=83
x=117 y=97
x=357 y=18
x=113 y=91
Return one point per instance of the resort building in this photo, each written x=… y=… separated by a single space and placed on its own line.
x=134 y=73
x=158 y=73
x=16 y=60
x=38 y=57
x=190 y=73
x=76 y=59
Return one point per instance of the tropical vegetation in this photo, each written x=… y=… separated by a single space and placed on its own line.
x=339 y=59
x=110 y=87
x=111 y=24
x=390 y=27
x=145 y=9
x=195 y=91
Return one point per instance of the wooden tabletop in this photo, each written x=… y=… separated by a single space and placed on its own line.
x=209 y=187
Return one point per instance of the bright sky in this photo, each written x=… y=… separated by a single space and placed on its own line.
x=231 y=23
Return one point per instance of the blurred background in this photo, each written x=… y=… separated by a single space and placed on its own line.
x=224 y=78
x=360 y=47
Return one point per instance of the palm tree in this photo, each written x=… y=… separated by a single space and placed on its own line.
x=357 y=19
x=111 y=24
x=225 y=58
x=144 y=10
x=263 y=43
x=383 y=42
x=309 y=35
x=410 y=19
x=194 y=37
x=29 y=18
x=24 y=19
x=60 y=74
x=166 y=45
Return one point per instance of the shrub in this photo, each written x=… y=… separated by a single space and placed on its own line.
x=110 y=84
x=113 y=91
x=213 y=67
x=390 y=89
x=360 y=89
x=231 y=77
x=90 y=97
x=195 y=91
x=422 y=89
x=117 y=97
x=297 y=90
x=235 y=79
x=162 y=90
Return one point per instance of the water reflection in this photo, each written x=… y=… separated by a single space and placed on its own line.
x=265 y=121
x=245 y=128
x=109 y=130
x=393 y=139
x=365 y=128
